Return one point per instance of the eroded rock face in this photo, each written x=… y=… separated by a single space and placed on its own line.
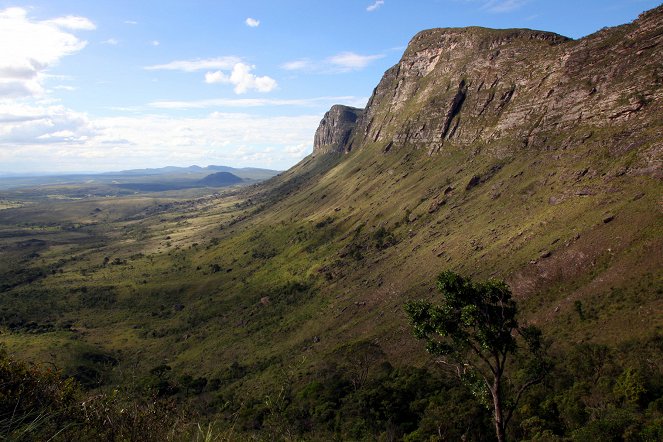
x=506 y=90
x=336 y=129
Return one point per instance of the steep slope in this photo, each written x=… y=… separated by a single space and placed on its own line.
x=513 y=89
x=517 y=153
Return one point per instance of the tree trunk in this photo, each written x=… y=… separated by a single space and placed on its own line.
x=497 y=403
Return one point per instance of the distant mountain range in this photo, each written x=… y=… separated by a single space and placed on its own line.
x=194 y=169
x=163 y=178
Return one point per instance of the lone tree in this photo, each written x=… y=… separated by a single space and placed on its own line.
x=475 y=331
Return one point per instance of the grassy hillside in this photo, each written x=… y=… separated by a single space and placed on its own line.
x=280 y=278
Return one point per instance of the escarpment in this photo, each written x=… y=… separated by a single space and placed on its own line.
x=506 y=90
x=335 y=130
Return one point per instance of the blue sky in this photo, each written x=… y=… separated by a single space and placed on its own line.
x=108 y=85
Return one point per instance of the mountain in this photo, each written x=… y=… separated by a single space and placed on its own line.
x=219 y=179
x=510 y=90
x=278 y=308
x=511 y=153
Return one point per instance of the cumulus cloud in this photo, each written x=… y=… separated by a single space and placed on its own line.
x=375 y=6
x=36 y=46
x=197 y=65
x=155 y=42
x=24 y=124
x=252 y=22
x=110 y=41
x=240 y=75
x=242 y=78
x=72 y=22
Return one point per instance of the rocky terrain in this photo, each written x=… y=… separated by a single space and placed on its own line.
x=335 y=130
x=507 y=90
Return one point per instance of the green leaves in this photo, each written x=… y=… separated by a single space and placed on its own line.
x=478 y=316
x=474 y=328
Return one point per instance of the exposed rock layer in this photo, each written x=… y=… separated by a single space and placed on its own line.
x=335 y=130
x=511 y=89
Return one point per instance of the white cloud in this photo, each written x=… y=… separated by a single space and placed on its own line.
x=375 y=5
x=197 y=65
x=36 y=46
x=110 y=41
x=342 y=62
x=155 y=43
x=257 y=102
x=24 y=124
x=503 y=5
x=297 y=65
x=349 y=61
x=242 y=78
x=32 y=138
x=72 y=22
x=130 y=22
x=252 y=22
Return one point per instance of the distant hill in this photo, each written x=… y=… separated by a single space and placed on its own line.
x=220 y=179
x=217 y=179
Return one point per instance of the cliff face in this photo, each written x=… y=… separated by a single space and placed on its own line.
x=335 y=130
x=506 y=90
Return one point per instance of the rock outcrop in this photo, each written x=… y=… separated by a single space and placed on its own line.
x=336 y=130
x=506 y=90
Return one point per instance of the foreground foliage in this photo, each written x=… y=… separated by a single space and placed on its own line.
x=38 y=403
x=593 y=392
x=474 y=330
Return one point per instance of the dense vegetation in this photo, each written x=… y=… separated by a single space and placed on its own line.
x=593 y=392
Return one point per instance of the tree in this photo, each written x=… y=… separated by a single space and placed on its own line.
x=475 y=331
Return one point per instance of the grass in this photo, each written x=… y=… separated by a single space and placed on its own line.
x=161 y=260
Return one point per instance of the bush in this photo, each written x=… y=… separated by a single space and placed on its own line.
x=38 y=403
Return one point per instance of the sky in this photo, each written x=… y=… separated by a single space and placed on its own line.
x=108 y=85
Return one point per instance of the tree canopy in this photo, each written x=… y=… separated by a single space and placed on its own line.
x=475 y=330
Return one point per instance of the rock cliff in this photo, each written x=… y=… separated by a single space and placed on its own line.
x=335 y=130
x=506 y=90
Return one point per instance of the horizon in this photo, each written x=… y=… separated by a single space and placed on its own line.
x=54 y=174
x=111 y=86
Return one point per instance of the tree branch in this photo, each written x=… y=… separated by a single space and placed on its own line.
x=521 y=390
x=482 y=357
